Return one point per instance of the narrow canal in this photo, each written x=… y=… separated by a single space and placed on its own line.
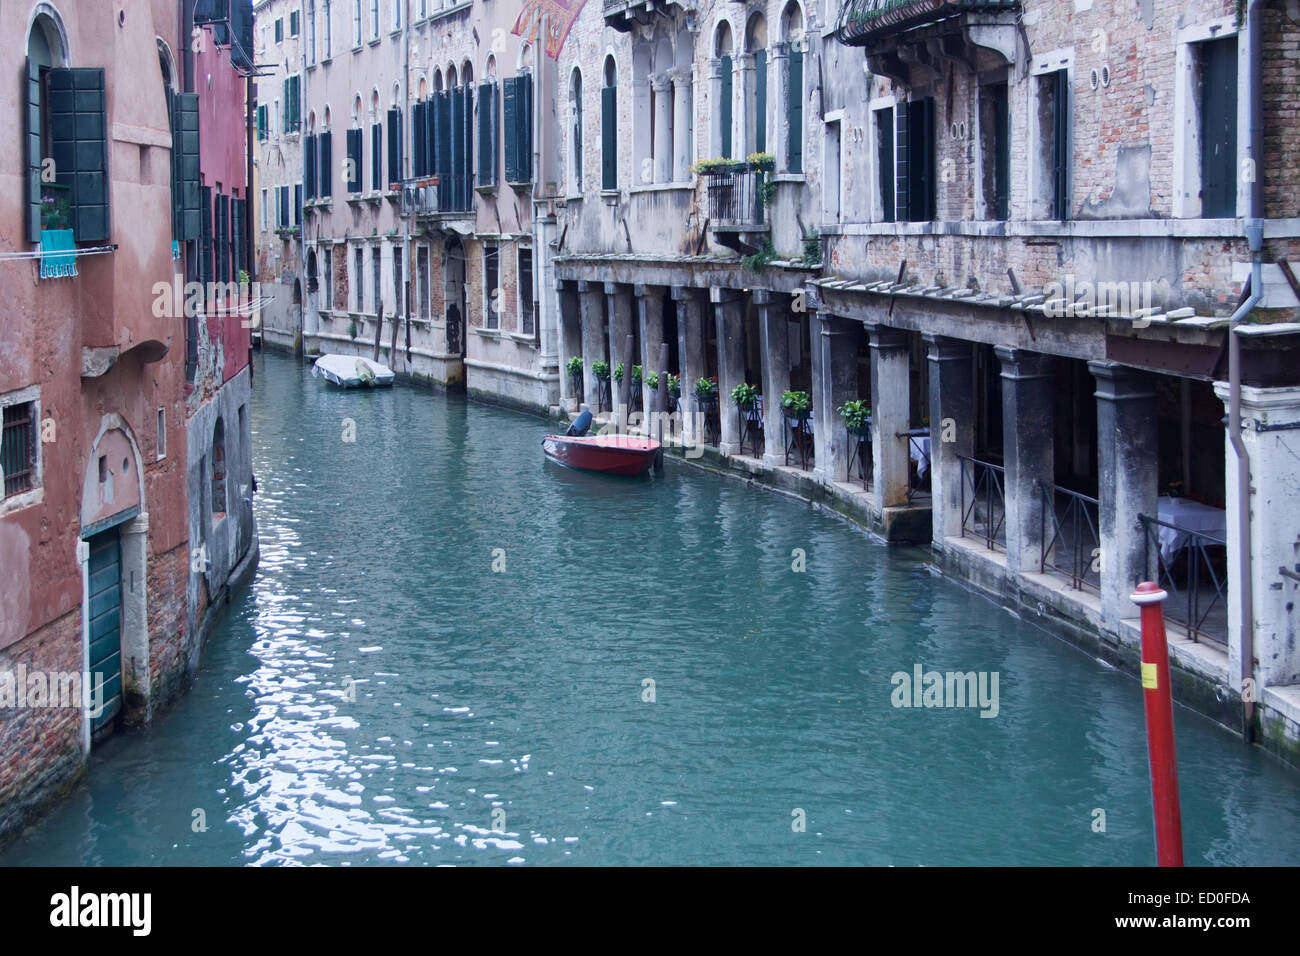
x=381 y=694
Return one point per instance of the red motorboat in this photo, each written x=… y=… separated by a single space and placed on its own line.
x=611 y=454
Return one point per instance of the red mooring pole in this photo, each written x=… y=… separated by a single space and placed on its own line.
x=1158 y=699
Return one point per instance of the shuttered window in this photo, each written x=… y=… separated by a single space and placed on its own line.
x=291 y=106
x=261 y=122
x=376 y=157
x=326 y=171
x=609 y=137
x=487 y=134
x=1218 y=68
x=205 y=237
x=282 y=193
x=885 y=162
x=186 y=184
x=459 y=168
x=914 y=178
x=297 y=203
x=309 y=167
x=237 y=225
x=78 y=131
x=419 y=140
x=760 y=101
x=354 y=161
x=517 y=114
x=221 y=238
x=394 y=146
x=442 y=146
x=724 y=108
x=34 y=151
x=1061 y=145
x=794 y=99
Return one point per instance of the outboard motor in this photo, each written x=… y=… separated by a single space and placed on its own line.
x=580 y=425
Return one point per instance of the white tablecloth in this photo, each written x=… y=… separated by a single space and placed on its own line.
x=1189 y=516
x=918 y=449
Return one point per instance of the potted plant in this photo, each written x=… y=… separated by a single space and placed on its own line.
x=651 y=380
x=857 y=416
x=743 y=395
x=761 y=161
x=618 y=373
x=600 y=369
x=674 y=385
x=797 y=405
x=574 y=368
x=706 y=389
x=636 y=375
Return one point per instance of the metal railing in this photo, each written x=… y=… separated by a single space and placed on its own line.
x=917 y=452
x=983 y=502
x=861 y=21
x=1201 y=603
x=1069 y=536
x=420 y=197
x=734 y=197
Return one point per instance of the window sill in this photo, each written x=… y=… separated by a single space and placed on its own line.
x=357 y=48
x=522 y=339
x=375 y=41
x=790 y=178
x=450 y=11
x=517 y=187
x=610 y=196
x=663 y=187
x=486 y=190
x=488 y=333
x=354 y=198
x=326 y=61
x=575 y=197
x=394 y=33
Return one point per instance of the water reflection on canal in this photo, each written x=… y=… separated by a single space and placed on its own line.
x=381 y=694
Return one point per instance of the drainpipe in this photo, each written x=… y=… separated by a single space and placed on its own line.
x=403 y=109
x=1254 y=232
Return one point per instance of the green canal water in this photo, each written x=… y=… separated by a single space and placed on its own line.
x=380 y=694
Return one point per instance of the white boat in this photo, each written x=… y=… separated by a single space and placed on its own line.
x=348 y=371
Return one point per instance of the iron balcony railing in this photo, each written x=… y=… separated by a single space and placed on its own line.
x=1195 y=576
x=734 y=195
x=420 y=197
x=865 y=21
x=1071 y=542
x=983 y=502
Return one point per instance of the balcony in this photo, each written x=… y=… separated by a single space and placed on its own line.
x=420 y=197
x=900 y=36
x=735 y=202
x=623 y=15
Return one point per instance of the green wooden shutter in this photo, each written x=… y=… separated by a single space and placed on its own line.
x=902 y=163
x=725 y=108
x=326 y=164
x=795 y=96
x=261 y=122
x=309 y=167
x=922 y=182
x=760 y=101
x=442 y=147
x=526 y=128
x=185 y=146
x=1061 y=144
x=104 y=636
x=78 y=127
x=430 y=138
x=394 y=145
x=467 y=124
x=417 y=140
x=354 y=157
x=885 y=163
x=237 y=236
x=32 y=180
x=376 y=157
x=487 y=167
x=609 y=137
x=205 y=237
x=510 y=113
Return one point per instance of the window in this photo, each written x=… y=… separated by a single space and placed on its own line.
x=18 y=443
x=359 y=273
x=422 y=282
x=377 y=277
x=517 y=109
x=329 y=30
x=261 y=122
x=325 y=164
x=356 y=23
x=995 y=150
x=266 y=213
x=399 y=296
x=293 y=23
x=1216 y=66
x=1051 y=193
x=424 y=8
x=794 y=108
x=397 y=14
x=527 y=311
x=756 y=94
x=327 y=278
x=162 y=434
x=722 y=48
x=394 y=145
x=279 y=30
x=914 y=170
x=186 y=177
x=609 y=128
x=453 y=146
x=311 y=31
x=277 y=115
x=219 y=471
x=354 y=160
x=376 y=157
x=491 y=286
x=309 y=153
x=488 y=122
x=291 y=118
x=575 y=127
x=374 y=19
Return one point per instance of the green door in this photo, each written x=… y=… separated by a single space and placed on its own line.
x=106 y=624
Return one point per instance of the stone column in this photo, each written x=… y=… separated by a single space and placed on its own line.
x=952 y=415
x=1127 y=482
x=890 y=415
x=741 y=120
x=619 y=309
x=690 y=351
x=778 y=58
x=714 y=67
x=661 y=83
x=682 y=125
x=570 y=321
x=1027 y=450
x=1269 y=418
x=727 y=305
x=774 y=339
x=642 y=133
x=838 y=374
x=650 y=315
x=592 y=310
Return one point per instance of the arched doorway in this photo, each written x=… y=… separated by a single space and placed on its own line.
x=454 y=296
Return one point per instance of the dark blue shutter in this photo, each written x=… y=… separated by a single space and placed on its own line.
x=902 y=164
x=376 y=157
x=609 y=137
x=283 y=192
x=760 y=102
x=78 y=127
x=510 y=113
x=185 y=145
x=442 y=147
x=297 y=202
x=487 y=166
x=394 y=145
x=205 y=237
x=419 y=114
x=1061 y=141
x=795 y=155
x=237 y=234
x=725 y=107
x=457 y=143
x=326 y=164
x=885 y=163
x=430 y=138
x=354 y=157
x=467 y=165
x=32 y=181
x=309 y=167
x=526 y=128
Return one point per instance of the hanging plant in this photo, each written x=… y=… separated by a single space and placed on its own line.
x=744 y=395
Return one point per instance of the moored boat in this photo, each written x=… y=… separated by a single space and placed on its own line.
x=348 y=371
x=609 y=454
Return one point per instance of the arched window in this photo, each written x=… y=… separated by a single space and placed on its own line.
x=756 y=93
x=218 y=471
x=451 y=77
x=167 y=65
x=46 y=69
x=575 y=125
x=609 y=127
x=723 y=101
x=437 y=81
x=467 y=74
x=792 y=33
